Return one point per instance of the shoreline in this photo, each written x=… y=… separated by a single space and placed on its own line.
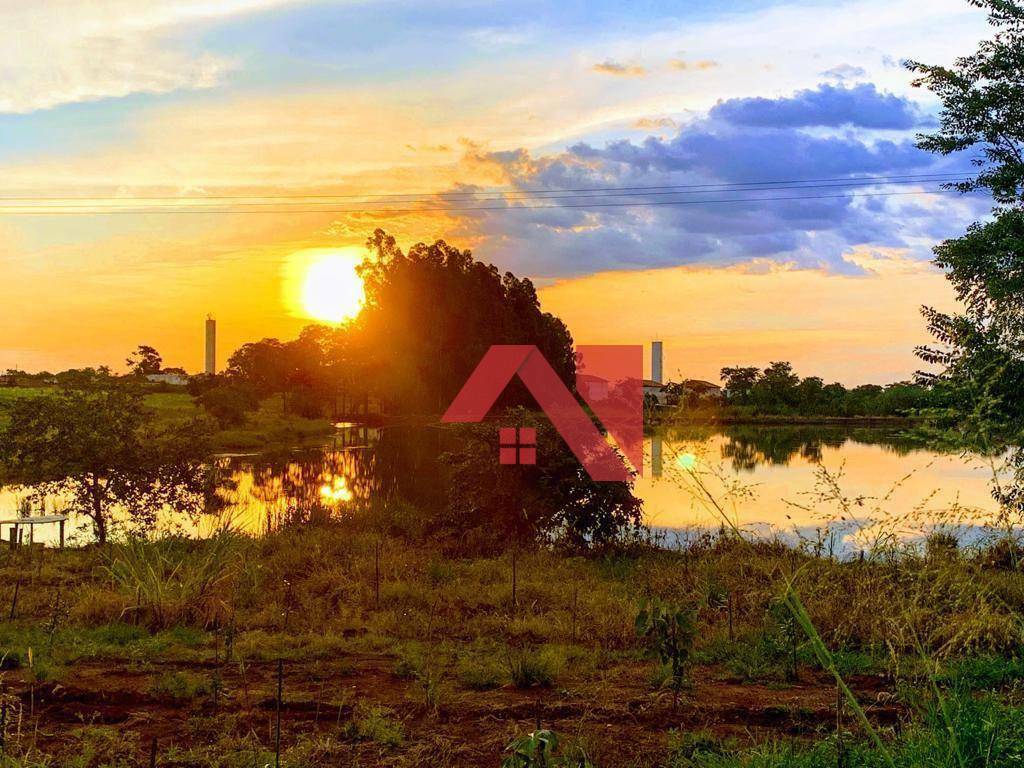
x=792 y=421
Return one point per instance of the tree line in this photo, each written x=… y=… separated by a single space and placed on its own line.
x=778 y=390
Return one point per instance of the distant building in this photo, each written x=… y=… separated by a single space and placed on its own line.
x=593 y=388
x=211 y=346
x=173 y=378
x=655 y=390
x=703 y=390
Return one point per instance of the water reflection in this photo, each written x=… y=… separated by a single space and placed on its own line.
x=768 y=477
x=747 y=446
x=336 y=491
x=851 y=485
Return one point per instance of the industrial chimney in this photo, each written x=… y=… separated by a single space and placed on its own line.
x=656 y=362
x=211 y=345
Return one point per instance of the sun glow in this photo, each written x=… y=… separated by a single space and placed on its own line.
x=336 y=491
x=329 y=288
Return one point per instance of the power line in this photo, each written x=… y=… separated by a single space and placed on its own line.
x=555 y=195
x=450 y=209
x=718 y=187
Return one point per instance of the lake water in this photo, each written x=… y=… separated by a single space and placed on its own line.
x=842 y=486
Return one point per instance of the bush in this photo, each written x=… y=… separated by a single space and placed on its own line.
x=176 y=581
x=941 y=545
x=229 y=404
x=542 y=667
x=376 y=724
x=179 y=687
x=541 y=749
x=688 y=748
x=670 y=631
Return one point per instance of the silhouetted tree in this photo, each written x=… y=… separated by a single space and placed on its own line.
x=432 y=313
x=100 y=448
x=739 y=383
x=778 y=390
x=144 y=361
x=492 y=505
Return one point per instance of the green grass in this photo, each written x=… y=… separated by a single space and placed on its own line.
x=114 y=642
x=536 y=666
x=443 y=632
x=983 y=672
x=378 y=724
x=180 y=687
x=268 y=427
x=965 y=732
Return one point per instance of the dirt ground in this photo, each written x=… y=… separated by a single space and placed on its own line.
x=617 y=716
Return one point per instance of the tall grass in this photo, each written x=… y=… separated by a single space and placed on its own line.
x=988 y=734
x=952 y=734
x=175 y=581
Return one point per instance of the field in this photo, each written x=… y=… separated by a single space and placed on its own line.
x=268 y=427
x=386 y=651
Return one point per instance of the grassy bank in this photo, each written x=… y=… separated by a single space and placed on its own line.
x=714 y=417
x=393 y=651
x=725 y=414
x=269 y=427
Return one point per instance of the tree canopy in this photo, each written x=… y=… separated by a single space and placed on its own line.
x=980 y=350
x=778 y=390
x=982 y=107
x=432 y=313
x=100 y=449
x=429 y=317
x=145 y=360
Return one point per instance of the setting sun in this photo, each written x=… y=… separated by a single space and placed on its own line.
x=330 y=289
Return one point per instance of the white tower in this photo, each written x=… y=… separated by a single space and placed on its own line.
x=656 y=362
x=211 y=345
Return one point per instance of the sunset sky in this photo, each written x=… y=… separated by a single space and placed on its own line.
x=118 y=117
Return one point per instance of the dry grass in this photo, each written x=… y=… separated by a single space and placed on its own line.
x=309 y=594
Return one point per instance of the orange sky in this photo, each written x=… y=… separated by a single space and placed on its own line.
x=253 y=97
x=848 y=328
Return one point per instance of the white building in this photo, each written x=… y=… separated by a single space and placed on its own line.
x=655 y=390
x=174 y=379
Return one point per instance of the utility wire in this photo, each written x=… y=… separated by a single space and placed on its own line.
x=554 y=195
x=167 y=210
x=430 y=196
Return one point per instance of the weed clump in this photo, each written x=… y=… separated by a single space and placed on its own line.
x=377 y=724
x=535 y=667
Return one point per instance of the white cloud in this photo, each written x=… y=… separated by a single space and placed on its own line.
x=64 y=51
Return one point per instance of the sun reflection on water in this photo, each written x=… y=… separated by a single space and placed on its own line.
x=336 y=490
